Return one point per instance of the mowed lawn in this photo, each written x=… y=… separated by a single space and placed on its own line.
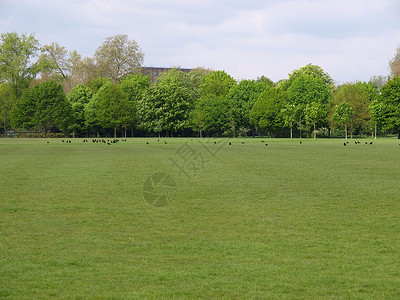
x=287 y=220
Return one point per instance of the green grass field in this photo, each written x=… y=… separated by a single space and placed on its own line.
x=316 y=220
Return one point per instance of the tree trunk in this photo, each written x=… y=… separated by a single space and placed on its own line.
x=131 y=131
x=291 y=130
x=315 y=132
x=345 y=131
x=125 y=132
x=375 y=130
x=73 y=134
x=115 y=132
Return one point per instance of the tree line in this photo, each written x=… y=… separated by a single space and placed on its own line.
x=50 y=89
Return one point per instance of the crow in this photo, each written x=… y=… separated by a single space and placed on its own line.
x=345 y=144
x=242 y=143
x=262 y=141
x=230 y=143
x=47 y=142
x=165 y=142
x=215 y=143
x=301 y=142
x=147 y=143
x=266 y=144
x=370 y=143
x=63 y=141
x=366 y=143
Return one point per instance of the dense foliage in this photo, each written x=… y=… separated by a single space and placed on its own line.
x=59 y=91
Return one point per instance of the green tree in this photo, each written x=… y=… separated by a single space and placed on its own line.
x=96 y=84
x=217 y=83
x=7 y=103
x=114 y=108
x=289 y=115
x=191 y=81
x=304 y=91
x=377 y=112
x=358 y=96
x=118 y=56
x=79 y=97
x=197 y=120
x=266 y=80
x=92 y=121
x=134 y=86
x=342 y=114
x=389 y=104
x=266 y=113
x=43 y=107
x=17 y=60
x=213 y=114
x=315 y=112
x=242 y=97
x=314 y=71
x=165 y=107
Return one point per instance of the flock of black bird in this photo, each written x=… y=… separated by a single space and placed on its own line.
x=115 y=141
x=96 y=141
x=357 y=142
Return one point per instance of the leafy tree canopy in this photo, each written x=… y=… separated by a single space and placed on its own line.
x=17 y=60
x=266 y=114
x=43 y=107
x=217 y=83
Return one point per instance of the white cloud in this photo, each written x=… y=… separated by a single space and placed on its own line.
x=352 y=40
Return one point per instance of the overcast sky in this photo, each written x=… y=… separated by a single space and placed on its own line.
x=350 y=39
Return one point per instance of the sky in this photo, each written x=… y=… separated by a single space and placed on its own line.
x=350 y=39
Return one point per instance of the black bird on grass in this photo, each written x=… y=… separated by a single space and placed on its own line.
x=266 y=144
x=147 y=143
x=262 y=141
x=371 y=143
x=215 y=143
x=366 y=143
x=242 y=143
x=345 y=144
x=301 y=142
x=62 y=141
x=230 y=143
x=165 y=142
